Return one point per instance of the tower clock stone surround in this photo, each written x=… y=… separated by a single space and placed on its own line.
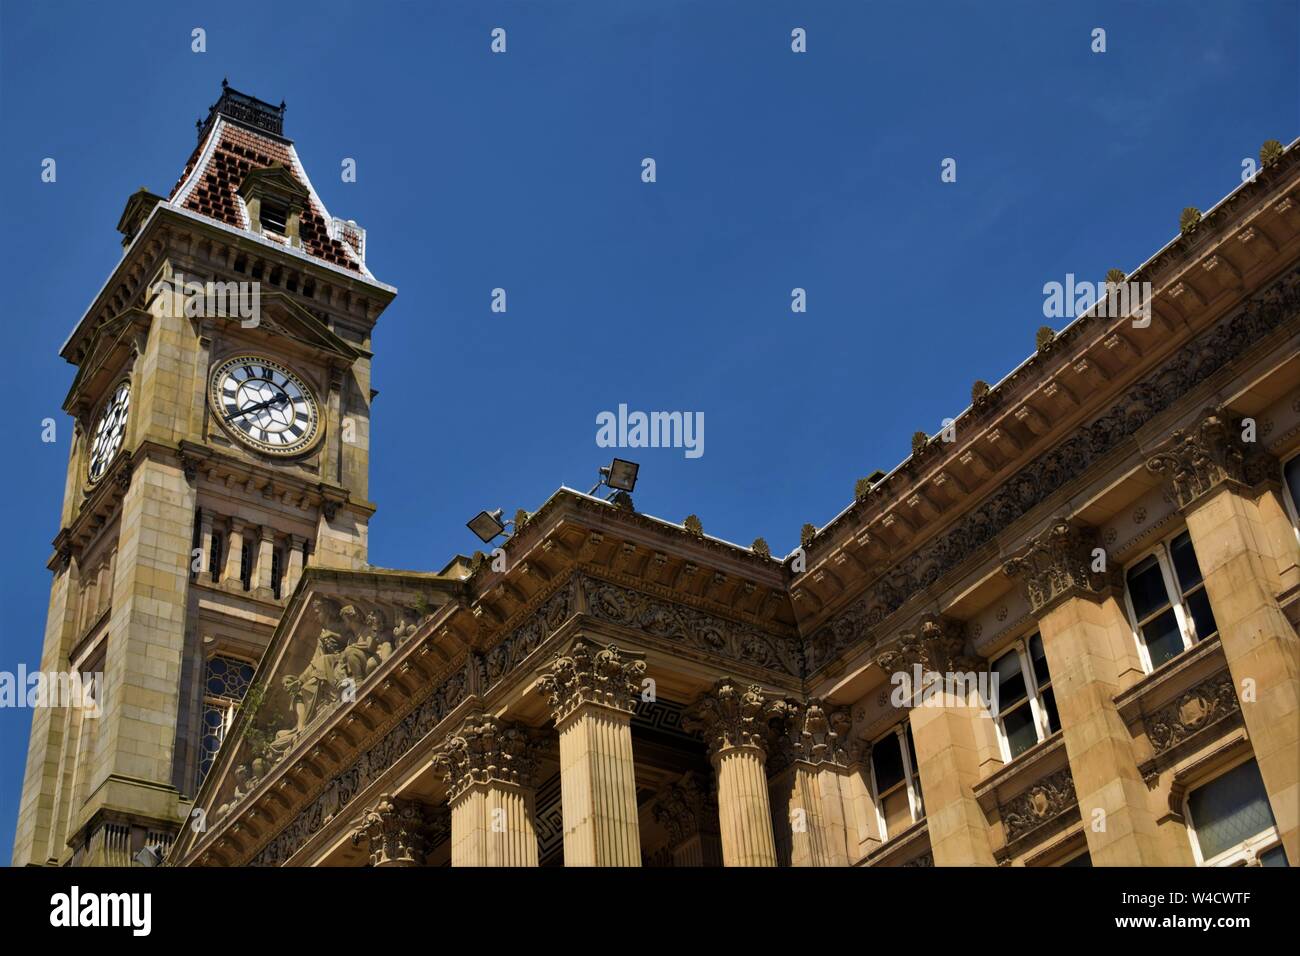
x=221 y=411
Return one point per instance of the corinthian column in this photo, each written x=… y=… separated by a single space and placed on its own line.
x=733 y=720
x=489 y=769
x=809 y=768
x=1222 y=487
x=591 y=690
x=395 y=832
x=687 y=810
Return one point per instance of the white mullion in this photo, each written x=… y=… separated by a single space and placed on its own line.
x=913 y=800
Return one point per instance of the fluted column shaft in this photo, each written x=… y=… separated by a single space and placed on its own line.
x=744 y=811
x=492 y=825
x=598 y=788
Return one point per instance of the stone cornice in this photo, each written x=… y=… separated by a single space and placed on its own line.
x=1196 y=361
x=1185 y=279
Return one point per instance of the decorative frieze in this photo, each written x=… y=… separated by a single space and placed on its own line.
x=1073 y=457
x=1207 y=703
x=396 y=831
x=1040 y=804
x=486 y=750
x=693 y=628
x=1061 y=563
x=364 y=771
x=1197 y=460
x=590 y=674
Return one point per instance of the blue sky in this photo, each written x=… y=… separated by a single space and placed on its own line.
x=522 y=171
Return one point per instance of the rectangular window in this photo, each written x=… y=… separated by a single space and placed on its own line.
x=246 y=566
x=226 y=680
x=895 y=783
x=1026 y=705
x=277 y=572
x=1167 y=600
x=1291 y=477
x=1231 y=823
x=274 y=215
x=214 y=557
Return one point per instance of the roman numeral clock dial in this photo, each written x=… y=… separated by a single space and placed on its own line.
x=264 y=405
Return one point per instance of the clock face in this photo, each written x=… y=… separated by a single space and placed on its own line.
x=264 y=405
x=106 y=437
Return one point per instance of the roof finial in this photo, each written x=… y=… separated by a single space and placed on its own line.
x=224 y=82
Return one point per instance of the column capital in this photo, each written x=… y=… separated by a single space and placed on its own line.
x=1058 y=564
x=591 y=674
x=486 y=750
x=935 y=644
x=687 y=807
x=734 y=715
x=1197 y=460
x=396 y=830
x=814 y=734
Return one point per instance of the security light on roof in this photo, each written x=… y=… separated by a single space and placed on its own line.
x=619 y=475
x=487 y=525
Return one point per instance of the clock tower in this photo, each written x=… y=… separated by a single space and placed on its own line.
x=221 y=417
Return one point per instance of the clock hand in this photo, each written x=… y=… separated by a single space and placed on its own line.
x=258 y=407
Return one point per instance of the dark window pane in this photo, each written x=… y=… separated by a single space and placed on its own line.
x=1020 y=730
x=1185 y=566
x=1230 y=809
x=887 y=762
x=1163 y=638
x=1146 y=587
x=1039 y=658
x=1010 y=682
x=1053 y=718
x=1083 y=859
x=1273 y=857
x=1292 y=473
x=1198 y=606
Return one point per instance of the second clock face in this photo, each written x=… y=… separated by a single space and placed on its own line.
x=265 y=405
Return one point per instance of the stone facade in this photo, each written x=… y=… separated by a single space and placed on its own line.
x=1112 y=535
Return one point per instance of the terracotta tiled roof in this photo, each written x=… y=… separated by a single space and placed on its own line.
x=228 y=153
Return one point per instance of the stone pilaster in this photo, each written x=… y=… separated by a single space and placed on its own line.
x=394 y=831
x=688 y=811
x=263 y=563
x=1211 y=472
x=489 y=767
x=952 y=736
x=230 y=577
x=734 y=721
x=591 y=690
x=809 y=781
x=1092 y=657
x=297 y=560
x=205 y=543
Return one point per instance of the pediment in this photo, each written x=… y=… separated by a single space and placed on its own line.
x=333 y=642
x=273 y=179
x=109 y=349
x=281 y=316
